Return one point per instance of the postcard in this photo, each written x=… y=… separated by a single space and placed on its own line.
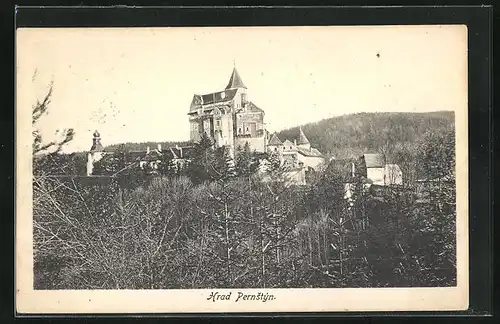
x=241 y=169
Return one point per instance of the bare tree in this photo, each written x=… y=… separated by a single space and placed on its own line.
x=39 y=109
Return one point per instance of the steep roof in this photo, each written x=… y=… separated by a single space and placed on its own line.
x=220 y=96
x=212 y=98
x=275 y=140
x=302 y=138
x=235 y=81
x=374 y=160
x=311 y=153
x=316 y=151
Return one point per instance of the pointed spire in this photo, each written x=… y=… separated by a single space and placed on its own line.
x=235 y=80
x=275 y=140
x=302 y=138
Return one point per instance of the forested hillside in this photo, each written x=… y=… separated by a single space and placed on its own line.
x=351 y=135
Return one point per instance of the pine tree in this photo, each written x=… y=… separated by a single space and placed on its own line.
x=246 y=161
x=223 y=165
x=202 y=161
x=111 y=164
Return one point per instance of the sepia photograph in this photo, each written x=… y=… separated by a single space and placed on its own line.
x=234 y=169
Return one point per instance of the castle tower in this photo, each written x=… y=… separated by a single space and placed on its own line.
x=96 y=152
x=235 y=81
x=236 y=84
x=302 y=141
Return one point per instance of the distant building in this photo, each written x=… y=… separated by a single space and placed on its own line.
x=296 y=154
x=149 y=159
x=369 y=169
x=373 y=168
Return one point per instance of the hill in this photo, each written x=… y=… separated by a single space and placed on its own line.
x=351 y=135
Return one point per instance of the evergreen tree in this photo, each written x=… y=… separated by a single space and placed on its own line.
x=246 y=161
x=111 y=164
x=223 y=166
x=202 y=160
x=168 y=167
x=437 y=155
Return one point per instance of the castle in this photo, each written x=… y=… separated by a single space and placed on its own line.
x=231 y=120
x=228 y=117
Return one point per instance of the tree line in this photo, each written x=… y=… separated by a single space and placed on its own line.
x=217 y=224
x=351 y=135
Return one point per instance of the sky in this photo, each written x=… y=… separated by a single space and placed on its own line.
x=136 y=84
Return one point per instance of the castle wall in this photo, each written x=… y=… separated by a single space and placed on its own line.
x=194 y=133
x=251 y=123
x=256 y=143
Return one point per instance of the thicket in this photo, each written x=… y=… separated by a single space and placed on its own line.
x=214 y=223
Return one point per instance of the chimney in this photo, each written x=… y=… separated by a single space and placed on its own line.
x=176 y=147
x=295 y=142
x=159 y=147
x=147 y=150
x=353 y=171
x=180 y=152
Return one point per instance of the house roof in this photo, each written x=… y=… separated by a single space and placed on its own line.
x=235 y=80
x=374 y=160
x=311 y=152
x=302 y=138
x=220 y=96
x=212 y=98
x=275 y=140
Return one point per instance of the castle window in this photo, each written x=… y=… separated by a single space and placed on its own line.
x=218 y=123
